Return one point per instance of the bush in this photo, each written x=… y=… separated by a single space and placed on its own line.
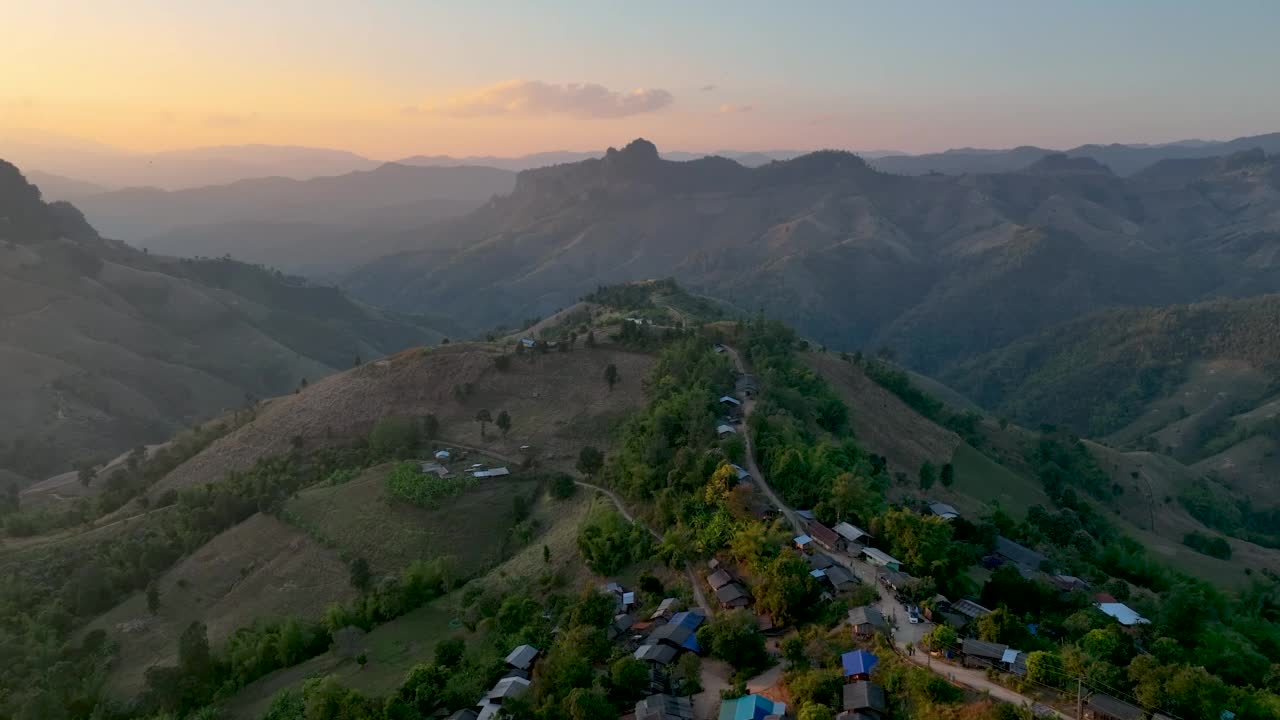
x=1213 y=546
x=562 y=486
x=409 y=483
x=393 y=436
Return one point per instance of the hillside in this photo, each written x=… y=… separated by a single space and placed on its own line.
x=937 y=268
x=312 y=225
x=104 y=347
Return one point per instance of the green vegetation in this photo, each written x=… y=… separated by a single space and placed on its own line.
x=1212 y=504
x=1211 y=545
x=609 y=543
x=735 y=638
x=407 y=482
x=964 y=424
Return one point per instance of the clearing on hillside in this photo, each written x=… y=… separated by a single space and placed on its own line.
x=361 y=519
x=261 y=569
x=557 y=401
x=881 y=421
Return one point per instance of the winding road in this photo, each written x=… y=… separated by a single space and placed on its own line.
x=905 y=637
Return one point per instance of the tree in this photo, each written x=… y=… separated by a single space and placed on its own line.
x=948 y=475
x=924 y=543
x=361 y=576
x=999 y=626
x=430 y=427
x=392 y=436
x=562 y=486
x=586 y=704
x=484 y=418
x=591 y=339
x=449 y=652
x=941 y=637
x=927 y=475
x=194 y=657
x=630 y=680
x=611 y=375
x=503 y=422
x=546 y=554
x=590 y=461
x=1045 y=668
x=609 y=543
x=814 y=711
x=787 y=590
x=153 y=598
x=85 y=473
x=735 y=638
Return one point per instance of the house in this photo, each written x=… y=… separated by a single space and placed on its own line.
x=806 y=515
x=621 y=624
x=824 y=536
x=804 y=543
x=729 y=400
x=463 y=715
x=858 y=664
x=1105 y=707
x=740 y=472
x=1023 y=557
x=434 y=468
x=488 y=710
x=840 y=578
x=750 y=707
x=522 y=658
x=719 y=579
x=881 y=558
x=442 y=455
x=943 y=510
x=865 y=697
x=506 y=689
x=691 y=619
x=718 y=348
x=664 y=707
x=733 y=596
x=1067 y=583
x=969 y=609
x=1122 y=613
x=850 y=533
x=867 y=621
x=982 y=653
x=656 y=653
x=1015 y=661
x=725 y=430
x=491 y=472
x=895 y=580
x=665 y=608
x=819 y=561
x=679 y=637
x=528 y=342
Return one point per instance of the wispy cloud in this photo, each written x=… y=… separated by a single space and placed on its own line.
x=535 y=97
x=728 y=109
x=228 y=120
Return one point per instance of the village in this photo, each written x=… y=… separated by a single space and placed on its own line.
x=846 y=561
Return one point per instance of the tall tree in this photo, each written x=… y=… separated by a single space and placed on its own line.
x=948 y=475
x=153 y=598
x=484 y=418
x=430 y=427
x=611 y=375
x=361 y=576
x=503 y=422
x=194 y=656
x=590 y=460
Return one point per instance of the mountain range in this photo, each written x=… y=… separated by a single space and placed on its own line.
x=309 y=226
x=103 y=346
x=937 y=268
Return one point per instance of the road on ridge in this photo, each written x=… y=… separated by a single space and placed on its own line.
x=906 y=637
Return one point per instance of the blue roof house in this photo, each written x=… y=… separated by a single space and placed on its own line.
x=858 y=663
x=750 y=707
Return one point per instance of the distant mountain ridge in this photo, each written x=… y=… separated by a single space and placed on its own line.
x=103 y=347
x=937 y=268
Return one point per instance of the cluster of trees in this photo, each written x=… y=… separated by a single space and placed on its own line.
x=407 y=482
x=138 y=473
x=609 y=543
x=1212 y=504
x=965 y=424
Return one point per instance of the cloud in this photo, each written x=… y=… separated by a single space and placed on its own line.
x=228 y=120
x=728 y=109
x=707 y=88
x=534 y=97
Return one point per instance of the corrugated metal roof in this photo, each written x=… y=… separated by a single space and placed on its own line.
x=858 y=662
x=849 y=532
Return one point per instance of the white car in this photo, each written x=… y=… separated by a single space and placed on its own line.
x=913 y=615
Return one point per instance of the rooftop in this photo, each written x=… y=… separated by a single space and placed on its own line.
x=943 y=510
x=866 y=615
x=1122 y=613
x=969 y=608
x=522 y=657
x=1113 y=707
x=719 y=579
x=880 y=556
x=858 y=662
x=850 y=532
x=823 y=534
x=750 y=707
x=864 y=695
x=1018 y=553
x=983 y=649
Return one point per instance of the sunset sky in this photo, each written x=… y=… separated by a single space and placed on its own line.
x=394 y=78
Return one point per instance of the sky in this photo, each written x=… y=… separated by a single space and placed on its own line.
x=392 y=78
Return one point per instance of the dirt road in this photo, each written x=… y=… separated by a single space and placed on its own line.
x=905 y=634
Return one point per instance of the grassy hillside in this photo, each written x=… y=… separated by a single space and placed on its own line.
x=103 y=347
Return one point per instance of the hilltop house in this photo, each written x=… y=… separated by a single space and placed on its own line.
x=1027 y=560
x=851 y=533
x=1122 y=613
x=840 y=578
x=881 y=558
x=523 y=657
x=980 y=653
x=943 y=510
x=1105 y=707
x=867 y=621
x=857 y=664
x=732 y=596
x=824 y=536
x=750 y=707
x=664 y=707
x=865 y=698
x=804 y=543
